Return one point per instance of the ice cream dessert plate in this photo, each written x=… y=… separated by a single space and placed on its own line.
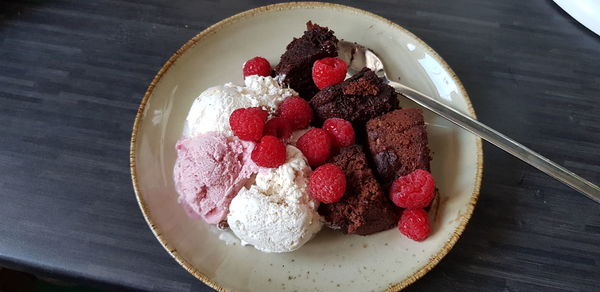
x=331 y=261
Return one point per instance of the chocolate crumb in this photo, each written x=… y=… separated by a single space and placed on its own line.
x=223 y=225
x=362 y=86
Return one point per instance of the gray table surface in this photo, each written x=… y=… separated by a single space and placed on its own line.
x=72 y=74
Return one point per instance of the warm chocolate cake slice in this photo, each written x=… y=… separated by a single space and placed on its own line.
x=365 y=208
x=295 y=65
x=398 y=143
x=357 y=99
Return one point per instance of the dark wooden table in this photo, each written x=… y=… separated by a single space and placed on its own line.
x=72 y=74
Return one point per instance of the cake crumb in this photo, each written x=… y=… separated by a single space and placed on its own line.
x=362 y=86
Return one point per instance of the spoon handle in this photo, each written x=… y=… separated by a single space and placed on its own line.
x=505 y=143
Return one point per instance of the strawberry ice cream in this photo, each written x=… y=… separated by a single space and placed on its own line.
x=210 y=169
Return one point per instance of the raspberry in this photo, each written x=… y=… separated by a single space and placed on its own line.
x=414 y=223
x=341 y=131
x=327 y=183
x=297 y=111
x=270 y=152
x=278 y=127
x=316 y=146
x=256 y=66
x=415 y=190
x=258 y=111
x=328 y=71
x=248 y=123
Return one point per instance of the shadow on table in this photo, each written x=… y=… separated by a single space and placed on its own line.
x=10 y=9
x=13 y=281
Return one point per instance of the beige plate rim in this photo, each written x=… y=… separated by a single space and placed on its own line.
x=287 y=6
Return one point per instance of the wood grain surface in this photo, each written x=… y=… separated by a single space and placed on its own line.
x=72 y=74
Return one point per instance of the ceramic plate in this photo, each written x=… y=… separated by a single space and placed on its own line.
x=331 y=261
x=587 y=12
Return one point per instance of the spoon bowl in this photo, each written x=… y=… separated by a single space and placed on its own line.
x=358 y=56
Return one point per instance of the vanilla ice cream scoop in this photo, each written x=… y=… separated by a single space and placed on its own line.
x=276 y=214
x=211 y=110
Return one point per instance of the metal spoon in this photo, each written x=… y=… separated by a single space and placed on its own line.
x=358 y=57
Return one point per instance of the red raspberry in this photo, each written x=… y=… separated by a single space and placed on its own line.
x=248 y=123
x=256 y=66
x=414 y=223
x=327 y=183
x=341 y=132
x=415 y=190
x=270 y=152
x=258 y=111
x=278 y=127
x=328 y=71
x=316 y=146
x=297 y=111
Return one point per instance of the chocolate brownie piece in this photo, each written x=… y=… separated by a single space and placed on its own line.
x=398 y=143
x=357 y=99
x=365 y=208
x=295 y=65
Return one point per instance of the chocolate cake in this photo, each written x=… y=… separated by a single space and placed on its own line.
x=365 y=208
x=357 y=99
x=295 y=65
x=398 y=143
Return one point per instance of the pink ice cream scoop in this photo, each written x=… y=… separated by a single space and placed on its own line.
x=210 y=169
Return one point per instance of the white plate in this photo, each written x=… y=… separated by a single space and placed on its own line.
x=331 y=261
x=587 y=12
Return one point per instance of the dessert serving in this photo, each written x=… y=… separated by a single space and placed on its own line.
x=302 y=146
